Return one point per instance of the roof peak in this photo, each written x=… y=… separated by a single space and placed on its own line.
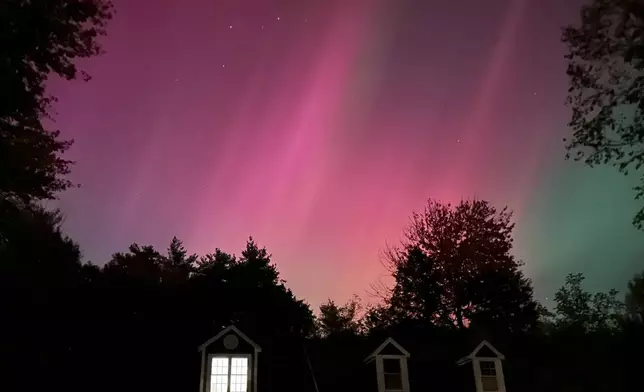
x=227 y=329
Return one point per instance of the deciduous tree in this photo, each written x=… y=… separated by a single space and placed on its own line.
x=39 y=39
x=575 y=307
x=606 y=94
x=634 y=300
x=456 y=268
x=338 y=319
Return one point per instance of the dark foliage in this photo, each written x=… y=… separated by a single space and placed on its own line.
x=634 y=301
x=335 y=319
x=578 y=309
x=456 y=269
x=140 y=318
x=606 y=94
x=135 y=323
x=39 y=39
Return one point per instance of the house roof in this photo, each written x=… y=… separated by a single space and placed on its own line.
x=384 y=344
x=483 y=346
x=346 y=363
x=224 y=332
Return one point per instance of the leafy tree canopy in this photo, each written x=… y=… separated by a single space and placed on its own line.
x=455 y=268
x=634 y=300
x=338 y=319
x=606 y=94
x=577 y=308
x=39 y=39
x=54 y=261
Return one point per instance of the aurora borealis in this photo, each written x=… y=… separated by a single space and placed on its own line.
x=317 y=127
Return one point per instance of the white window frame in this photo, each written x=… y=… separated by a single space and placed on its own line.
x=380 y=370
x=249 y=364
x=478 y=377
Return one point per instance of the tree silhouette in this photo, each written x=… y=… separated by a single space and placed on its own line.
x=143 y=264
x=578 y=308
x=39 y=39
x=606 y=94
x=53 y=262
x=177 y=265
x=143 y=321
x=456 y=268
x=40 y=277
x=335 y=319
x=634 y=300
x=379 y=317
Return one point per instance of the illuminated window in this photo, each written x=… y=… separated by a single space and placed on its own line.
x=488 y=376
x=229 y=374
x=392 y=374
x=238 y=374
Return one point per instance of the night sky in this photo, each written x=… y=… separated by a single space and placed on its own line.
x=319 y=126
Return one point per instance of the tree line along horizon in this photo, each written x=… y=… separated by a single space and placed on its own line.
x=453 y=273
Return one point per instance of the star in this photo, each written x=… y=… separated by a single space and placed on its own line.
x=230 y=27
x=223 y=66
x=278 y=18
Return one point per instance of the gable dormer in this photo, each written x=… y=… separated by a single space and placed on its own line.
x=390 y=359
x=229 y=362
x=487 y=368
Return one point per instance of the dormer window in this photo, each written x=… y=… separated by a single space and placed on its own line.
x=391 y=367
x=229 y=374
x=488 y=371
x=229 y=362
x=488 y=376
x=392 y=372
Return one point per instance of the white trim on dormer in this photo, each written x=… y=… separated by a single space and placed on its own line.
x=235 y=330
x=487 y=344
x=380 y=373
x=205 y=358
x=380 y=369
x=498 y=369
x=476 y=366
x=377 y=351
x=478 y=348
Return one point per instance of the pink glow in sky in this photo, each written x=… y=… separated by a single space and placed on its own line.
x=319 y=126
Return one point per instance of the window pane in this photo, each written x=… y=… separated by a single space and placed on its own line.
x=239 y=366
x=218 y=383
x=238 y=383
x=393 y=382
x=223 y=381
x=488 y=368
x=390 y=365
x=219 y=366
x=489 y=383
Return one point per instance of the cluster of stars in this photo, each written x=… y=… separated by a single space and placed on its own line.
x=262 y=26
x=278 y=18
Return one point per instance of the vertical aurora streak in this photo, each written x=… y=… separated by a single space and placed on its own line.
x=319 y=126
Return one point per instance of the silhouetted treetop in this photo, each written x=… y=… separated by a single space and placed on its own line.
x=455 y=268
x=34 y=251
x=606 y=94
x=634 y=300
x=335 y=318
x=39 y=39
x=577 y=308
